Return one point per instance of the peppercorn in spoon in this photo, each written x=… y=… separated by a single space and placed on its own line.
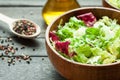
x=22 y=27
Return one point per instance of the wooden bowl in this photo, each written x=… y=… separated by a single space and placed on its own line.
x=107 y=4
x=76 y=71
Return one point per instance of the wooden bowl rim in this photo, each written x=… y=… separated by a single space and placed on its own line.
x=70 y=61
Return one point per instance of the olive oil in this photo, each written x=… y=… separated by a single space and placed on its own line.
x=54 y=8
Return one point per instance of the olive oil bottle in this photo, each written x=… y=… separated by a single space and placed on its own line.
x=54 y=8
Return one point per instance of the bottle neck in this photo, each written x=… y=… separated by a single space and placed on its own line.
x=62 y=4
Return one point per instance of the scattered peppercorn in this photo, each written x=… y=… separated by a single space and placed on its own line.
x=25 y=57
x=3 y=31
x=33 y=49
x=2 y=58
x=16 y=49
x=7 y=44
x=19 y=60
x=13 y=62
x=8 y=52
x=12 y=43
x=28 y=62
x=5 y=40
x=2 y=41
x=9 y=39
x=1 y=47
x=42 y=58
x=22 y=47
x=30 y=58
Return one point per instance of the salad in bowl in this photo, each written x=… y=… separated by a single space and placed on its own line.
x=86 y=40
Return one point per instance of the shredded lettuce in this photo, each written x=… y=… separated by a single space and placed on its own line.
x=99 y=44
x=69 y=28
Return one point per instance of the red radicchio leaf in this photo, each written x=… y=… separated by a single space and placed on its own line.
x=53 y=36
x=62 y=47
x=88 y=18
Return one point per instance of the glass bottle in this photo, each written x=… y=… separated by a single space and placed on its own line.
x=54 y=8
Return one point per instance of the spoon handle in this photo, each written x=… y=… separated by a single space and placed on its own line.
x=6 y=19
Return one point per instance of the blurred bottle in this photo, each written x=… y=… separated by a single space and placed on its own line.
x=54 y=8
